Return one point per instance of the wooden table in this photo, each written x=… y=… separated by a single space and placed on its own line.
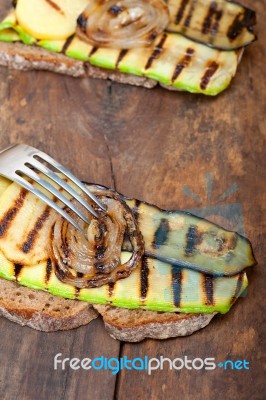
x=177 y=150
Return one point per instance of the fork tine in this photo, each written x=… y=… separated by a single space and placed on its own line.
x=31 y=174
x=50 y=174
x=28 y=186
x=72 y=177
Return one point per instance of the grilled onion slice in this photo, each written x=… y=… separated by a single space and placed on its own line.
x=122 y=24
x=94 y=260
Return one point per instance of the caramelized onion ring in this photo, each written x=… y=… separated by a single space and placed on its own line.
x=95 y=261
x=122 y=24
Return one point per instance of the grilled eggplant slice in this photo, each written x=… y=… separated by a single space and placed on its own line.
x=153 y=285
x=172 y=60
x=222 y=24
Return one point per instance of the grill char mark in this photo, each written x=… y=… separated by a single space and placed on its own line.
x=122 y=54
x=191 y=240
x=238 y=288
x=210 y=71
x=190 y=14
x=183 y=63
x=49 y=267
x=29 y=242
x=17 y=269
x=207 y=24
x=177 y=284
x=218 y=17
x=144 y=282
x=93 y=51
x=77 y=291
x=181 y=11
x=208 y=288
x=55 y=6
x=67 y=44
x=242 y=20
x=111 y=288
x=12 y=212
x=156 y=53
x=161 y=234
x=136 y=209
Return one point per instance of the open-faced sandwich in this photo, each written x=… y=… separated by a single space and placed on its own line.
x=192 y=45
x=148 y=272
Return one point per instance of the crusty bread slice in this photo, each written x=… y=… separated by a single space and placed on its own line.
x=24 y=58
x=136 y=325
x=41 y=310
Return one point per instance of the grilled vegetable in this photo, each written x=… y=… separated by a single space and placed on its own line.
x=153 y=285
x=47 y=19
x=122 y=24
x=94 y=260
x=221 y=24
x=181 y=239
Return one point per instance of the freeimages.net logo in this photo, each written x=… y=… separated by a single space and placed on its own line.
x=145 y=363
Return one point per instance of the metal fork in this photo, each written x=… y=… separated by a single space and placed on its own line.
x=21 y=159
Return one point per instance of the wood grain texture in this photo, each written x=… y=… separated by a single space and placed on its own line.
x=152 y=145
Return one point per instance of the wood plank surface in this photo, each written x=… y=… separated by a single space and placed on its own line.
x=179 y=151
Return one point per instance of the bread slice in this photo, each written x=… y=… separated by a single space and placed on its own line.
x=41 y=310
x=25 y=58
x=136 y=325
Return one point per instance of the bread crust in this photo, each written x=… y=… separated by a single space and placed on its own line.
x=137 y=325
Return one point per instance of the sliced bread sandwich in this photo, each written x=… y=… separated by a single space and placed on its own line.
x=181 y=46
x=173 y=290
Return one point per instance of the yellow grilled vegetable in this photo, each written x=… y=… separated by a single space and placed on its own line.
x=49 y=19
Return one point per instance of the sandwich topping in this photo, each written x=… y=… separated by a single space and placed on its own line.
x=221 y=24
x=187 y=264
x=122 y=24
x=125 y=24
x=49 y=19
x=94 y=259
